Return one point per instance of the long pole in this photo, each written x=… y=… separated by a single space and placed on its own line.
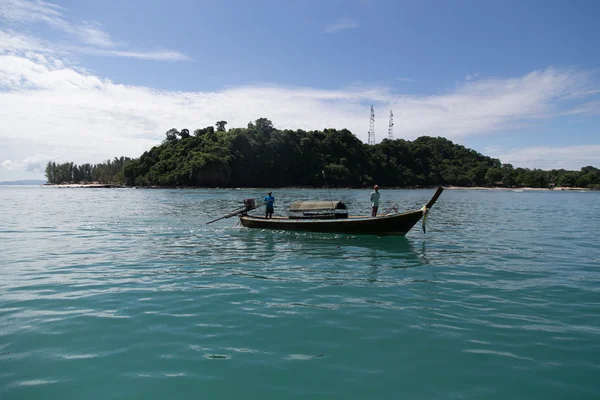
x=326 y=184
x=231 y=214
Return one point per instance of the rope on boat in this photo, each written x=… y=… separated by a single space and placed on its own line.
x=392 y=207
x=425 y=208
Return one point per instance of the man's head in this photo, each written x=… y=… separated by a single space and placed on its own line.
x=376 y=188
x=269 y=193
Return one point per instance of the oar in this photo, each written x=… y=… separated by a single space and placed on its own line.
x=225 y=216
x=231 y=214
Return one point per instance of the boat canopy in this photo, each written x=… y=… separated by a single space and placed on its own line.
x=299 y=206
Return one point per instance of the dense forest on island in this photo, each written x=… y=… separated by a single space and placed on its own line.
x=106 y=172
x=263 y=156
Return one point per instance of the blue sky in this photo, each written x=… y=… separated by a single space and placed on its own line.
x=92 y=80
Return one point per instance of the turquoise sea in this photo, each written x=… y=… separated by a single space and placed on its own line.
x=128 y=294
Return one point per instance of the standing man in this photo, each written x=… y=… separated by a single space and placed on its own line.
x=375 y=201
x=269 y=200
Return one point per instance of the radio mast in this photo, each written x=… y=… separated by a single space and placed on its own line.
x=371 y=138
x=391 y=127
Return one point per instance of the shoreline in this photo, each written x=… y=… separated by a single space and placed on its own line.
x=494 y=188
x=519 y=189
x=84 y=185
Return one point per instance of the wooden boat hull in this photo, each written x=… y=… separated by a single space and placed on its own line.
x=393 y=225
x=389 y=225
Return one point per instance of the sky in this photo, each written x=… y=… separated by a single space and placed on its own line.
x=86 y=81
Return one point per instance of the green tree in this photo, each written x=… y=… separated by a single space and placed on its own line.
x=221 y=126
x=259 y=155
x=264 y=126
x=171 y=135
x=509 y=176
x=493 y=176
x=184 y=134
x=49 y=172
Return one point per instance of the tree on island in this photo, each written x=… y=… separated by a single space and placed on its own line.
x=262 y=156
x=221 y=126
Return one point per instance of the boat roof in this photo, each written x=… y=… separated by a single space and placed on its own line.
x=317 y=205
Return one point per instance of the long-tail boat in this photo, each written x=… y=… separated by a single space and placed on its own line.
x=332 y=217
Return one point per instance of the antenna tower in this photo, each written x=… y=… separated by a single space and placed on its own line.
x=391 y=127
x=371 y=138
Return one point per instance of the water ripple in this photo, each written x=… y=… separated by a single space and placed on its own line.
x=132 y=286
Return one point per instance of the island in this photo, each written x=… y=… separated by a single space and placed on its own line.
x=262 y=156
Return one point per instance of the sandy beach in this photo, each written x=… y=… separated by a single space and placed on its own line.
x=516 y=189
x=84 y=185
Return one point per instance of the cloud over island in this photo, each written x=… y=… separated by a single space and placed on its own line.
x=82 y=116
x=54 y=109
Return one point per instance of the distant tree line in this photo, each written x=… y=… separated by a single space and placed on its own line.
x=106 y=172
x=262 y=156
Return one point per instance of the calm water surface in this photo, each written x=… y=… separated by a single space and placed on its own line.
x=129 y=294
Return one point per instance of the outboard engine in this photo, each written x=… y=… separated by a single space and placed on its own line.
x=249 y=204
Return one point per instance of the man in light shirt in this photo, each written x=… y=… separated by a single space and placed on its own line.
x=375 y=201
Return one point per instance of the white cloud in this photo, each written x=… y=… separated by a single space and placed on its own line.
x=84 y=36
x=164 y=55
x=569 y=157
x=341 y=24
x=27 y=46
x=31 y=12
x=90 y=32
x=12 y=43
x=405 y=79
x=49 y=107
x=491 y=150
x=35 y=163
x=593 y=107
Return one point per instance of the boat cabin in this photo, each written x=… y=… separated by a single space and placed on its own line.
x=318 y=210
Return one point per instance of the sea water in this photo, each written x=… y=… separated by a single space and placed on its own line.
x=125 y=293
